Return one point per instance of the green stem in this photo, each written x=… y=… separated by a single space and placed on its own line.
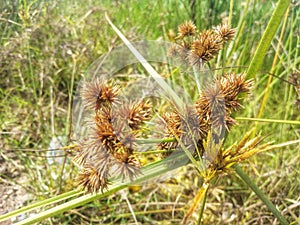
x=153 y=152
x=295 y=122
x=202 y=207
x=153 y=141
x=260 y=194
x=200 y=197
x=39 y=204
x=267 y=37
x=149 y=171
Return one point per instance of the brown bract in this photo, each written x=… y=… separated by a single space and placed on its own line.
x=136 y=113
x=90 y=179
x=206 y=47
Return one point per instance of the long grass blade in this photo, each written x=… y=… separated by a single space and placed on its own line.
x=267 y=37
x=260 y=194
x=39 y=204
x=160 y=81
x=150 y=171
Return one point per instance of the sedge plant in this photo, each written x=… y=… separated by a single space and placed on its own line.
x=109 y=155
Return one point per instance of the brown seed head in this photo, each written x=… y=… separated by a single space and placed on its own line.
x=129 y=169
x=218 y=100
x=98 y=92
x=139 y=113
x=224 y=32
x=172 y=123
x=91 y=181
x=206 y=47
x=186 y=29
x=232 y=85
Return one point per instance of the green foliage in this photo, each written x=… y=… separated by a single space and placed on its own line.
x=46 y=47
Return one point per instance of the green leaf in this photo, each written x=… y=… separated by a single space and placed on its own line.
x=267 y=37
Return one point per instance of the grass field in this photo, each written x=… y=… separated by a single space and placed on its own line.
x=46 y=49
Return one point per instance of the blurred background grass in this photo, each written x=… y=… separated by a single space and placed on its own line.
x=46 y=47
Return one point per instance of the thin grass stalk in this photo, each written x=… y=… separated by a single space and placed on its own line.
x=202 y=207
x=267 y=37
x=200 y=197
x=197 y=79
x=294 y=122
x=152 y=72
x=240 y=29
x=260 y=194
x=230 y=13
x=158 y=211
x=266 y=95
x=67 y=206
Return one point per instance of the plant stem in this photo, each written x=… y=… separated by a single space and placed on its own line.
x=260 y=194
x=274 y=64
x=43 y=203
x=200 y=197
x=295 y=122
x=202 y=207
x=151 y=141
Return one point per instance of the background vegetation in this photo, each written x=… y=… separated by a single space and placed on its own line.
x=46 y=47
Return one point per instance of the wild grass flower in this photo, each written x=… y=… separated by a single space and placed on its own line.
x=213 y=110
x=109 y=149
x=136 y=113
x=186 y=29
x=91 y=180
x=224 y=32
x=196 y=48
x=99 y=92
x=204 y=48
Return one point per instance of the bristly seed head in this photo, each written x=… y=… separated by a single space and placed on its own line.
x=186 y=29
x=111 y=142
x=172 y=124
x=214 y=107
x=206 y=47
x=99 y=92
x=196 y=48
x=224 y=32
x=91 y=180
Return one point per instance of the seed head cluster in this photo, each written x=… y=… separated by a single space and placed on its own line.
x=109 y=149
x=196 y=48
x=213 y=110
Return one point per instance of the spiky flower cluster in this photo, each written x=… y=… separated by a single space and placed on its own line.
x=221 y=98
x=109 y=150
x=213 y=110
x=218 y=100
x=196 y=48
